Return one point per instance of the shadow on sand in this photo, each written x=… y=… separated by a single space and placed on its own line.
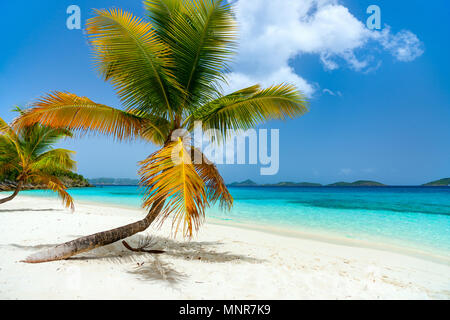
x=30 y=210
x=151 y=267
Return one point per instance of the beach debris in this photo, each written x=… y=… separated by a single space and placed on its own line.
x=143 y=247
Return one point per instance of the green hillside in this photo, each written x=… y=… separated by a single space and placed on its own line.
x=359 y=183
x=438 y=183
x=293 y=184
x=246 y=183
x=114 y=181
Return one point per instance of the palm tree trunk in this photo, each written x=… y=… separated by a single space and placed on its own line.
x=84 y=244
x=18 y=188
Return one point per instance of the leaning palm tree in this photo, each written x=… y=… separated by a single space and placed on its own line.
x=28 y=155
x=167 y=69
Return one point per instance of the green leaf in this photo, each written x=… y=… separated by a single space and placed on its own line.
x=247 y=108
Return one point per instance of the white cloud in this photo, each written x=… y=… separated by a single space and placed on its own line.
x=405 y=46
x=274 y=32
x=331 y=93
x=285 y=74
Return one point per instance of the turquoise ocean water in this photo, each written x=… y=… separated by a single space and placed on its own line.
x=405 y=217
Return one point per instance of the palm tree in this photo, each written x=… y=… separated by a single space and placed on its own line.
x=167 y=70
x=28 y=155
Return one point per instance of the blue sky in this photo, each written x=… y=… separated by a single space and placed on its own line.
x=380 y=104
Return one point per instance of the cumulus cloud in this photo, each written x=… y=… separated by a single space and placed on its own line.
x=405 y=46
x=285 y=74
x=272 y=33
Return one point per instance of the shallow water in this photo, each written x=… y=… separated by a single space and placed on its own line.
x=411 y=217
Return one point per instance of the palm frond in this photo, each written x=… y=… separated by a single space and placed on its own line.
x=169 y=175
x=55 y=185
x=160 y=13
x=202 y=36
x=3 y=126
x=8 y=167
x=18 y=109
x=5 y=129
x=37 y=139
x=154 y=128
x=69 y=111
x=55 y=159
x=129 y=53
x=10 y=144
x=248 y=108
x=215 y=186
x=9 y=157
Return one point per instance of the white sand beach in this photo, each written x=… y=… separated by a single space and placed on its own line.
x=222 y=262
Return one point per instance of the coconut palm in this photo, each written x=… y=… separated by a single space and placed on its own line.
x=168 y=70
x=28 y=155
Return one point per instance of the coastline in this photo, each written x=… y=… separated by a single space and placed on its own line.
x=222 y=262
x=335 y=239
x=314 y=235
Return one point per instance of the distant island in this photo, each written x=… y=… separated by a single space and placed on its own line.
x=114 y=182
x=250 y=183
x=293 y=184
x=246 y=183
x=360 y=183
x=438 y=183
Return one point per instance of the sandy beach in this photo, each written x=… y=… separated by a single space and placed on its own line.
x=222 y=262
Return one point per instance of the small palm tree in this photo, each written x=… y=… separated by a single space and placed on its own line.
x=28 y=155
x=167 y=70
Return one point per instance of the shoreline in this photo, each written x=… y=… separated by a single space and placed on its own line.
x=314 y=235
x=331 y=239
x=221 y=262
